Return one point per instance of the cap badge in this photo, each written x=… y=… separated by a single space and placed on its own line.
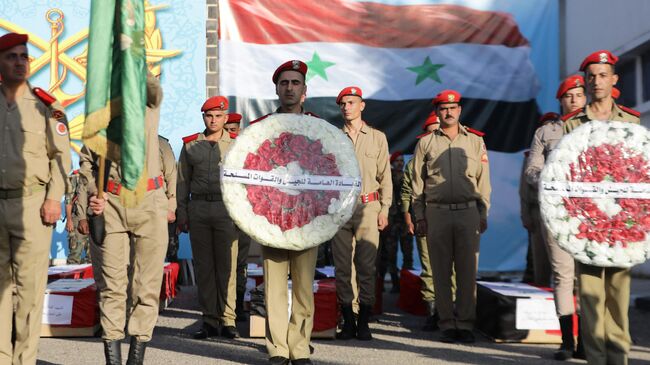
x=295 y=64
x=222 y=105
x=451 y=97
x=353 y=91
x=578 y=83
x=603 y=57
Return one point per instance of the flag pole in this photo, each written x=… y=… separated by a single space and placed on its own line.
x=100 y=182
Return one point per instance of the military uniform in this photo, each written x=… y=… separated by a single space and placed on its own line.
x=604 y=291
x=34 y=164
x=212 y=232
x=451 y=190
x=78 y=243
x=170 y=173
x=140 y=228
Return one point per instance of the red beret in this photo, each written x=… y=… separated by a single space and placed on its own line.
x=350 y=90
x=602 y=56
x=431 y=119
x=446 y=96
x=395 y=155
x=11 y=40
x=568 y=84
x=616 y=93
x=234 y=118
x=549 y=116
x=215 y=102
x=293 y=65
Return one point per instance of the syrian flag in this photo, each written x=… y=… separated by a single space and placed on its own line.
x=401 y=56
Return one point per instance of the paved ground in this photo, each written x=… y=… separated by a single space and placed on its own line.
x=398 y=340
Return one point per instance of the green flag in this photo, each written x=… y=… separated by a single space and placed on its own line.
x=116 y=86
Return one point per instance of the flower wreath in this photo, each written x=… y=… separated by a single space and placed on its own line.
x=595 y=194
x=291 y=181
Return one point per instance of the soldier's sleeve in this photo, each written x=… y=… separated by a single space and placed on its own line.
x=58 y=152
x=169 y=173
x=483 y=182
x=405 y=190
x=417 y=182
x=384 y=176
x=183 y=186
x=87 y=185
x=535 y=161
x=523 y=194
x=69 y=192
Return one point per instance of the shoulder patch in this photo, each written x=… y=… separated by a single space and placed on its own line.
x=259 y=119
x=474 y=131
x=190 y=138
x=566 y=117
x=44 y=96
x=61 y=128
x=423 y=135
x=59 y=115
x=629 y=110
x=233 y=135
x=312 y=114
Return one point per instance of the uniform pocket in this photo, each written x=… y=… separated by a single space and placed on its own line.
x=34 y=139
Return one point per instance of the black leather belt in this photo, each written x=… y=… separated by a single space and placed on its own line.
x=454 y=206
x=207 y=197
x=19 y=193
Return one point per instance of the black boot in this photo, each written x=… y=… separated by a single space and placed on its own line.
x=349 y=329
x=136 y=352
x=579 y=353
x=239 y=309
x=363 y=331
x=394 y=279
x=565 y=351
x=431 y=324
x=112 y=352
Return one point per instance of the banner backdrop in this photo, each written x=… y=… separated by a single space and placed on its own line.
x=502 y=56
x=58 y=32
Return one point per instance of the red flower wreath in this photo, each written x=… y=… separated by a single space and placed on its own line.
x=611 y=163
x=282 y=209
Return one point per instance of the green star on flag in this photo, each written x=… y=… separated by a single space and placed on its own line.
x=316 y=67
x=427 y=70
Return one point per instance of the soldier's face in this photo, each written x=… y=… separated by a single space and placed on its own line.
x=232 y=128
x=600 y=78
x=573 y=100
x=398 y=164
x=14 y=64
x=448 y=114
x=291 y=88
x=214 y=120
x=351 y=107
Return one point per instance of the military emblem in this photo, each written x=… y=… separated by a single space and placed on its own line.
x=578 y=83
x=603 y=57
x=222 y=105
x=61 y=129
x=295 y=64
x=58 y=115
x=353 y=91
x=451 y=97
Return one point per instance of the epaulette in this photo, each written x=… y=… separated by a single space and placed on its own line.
x=474 y=131
x=423 y=135
x=191 y=138
x=75 y=172
x=312 y=114
x=568 y=116
x=44 y=96
x=233 y=135
x=629 y=110
x=259 y=119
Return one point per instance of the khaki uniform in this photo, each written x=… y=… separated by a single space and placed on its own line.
x=212 y=232
x=77 y=243
x=243 y=247
x=562 y=263
x=604 y=291
x=451 y=190
x=357 y=241
x=170 y=174
x=139 y=231
x=34 y=166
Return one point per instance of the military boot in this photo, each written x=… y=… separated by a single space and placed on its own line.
x=567 y=347
x=136 y=352
x=112 y=352
x=363 y=330
x=431 y=323
x=349 y=329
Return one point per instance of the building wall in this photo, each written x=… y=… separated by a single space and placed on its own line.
x=212 y=54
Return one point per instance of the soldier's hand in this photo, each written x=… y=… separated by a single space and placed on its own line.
x=382 y=222
x=69 y=226
x=410 y=227
x=83 y=227
x=421 y=228
x=97 y=205
x=483 y=225
x=171 y=216
x=50 y=211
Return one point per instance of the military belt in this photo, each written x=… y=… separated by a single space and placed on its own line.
x=207 y=197
x=153 y=183
x=19 y=193
x=454 y=206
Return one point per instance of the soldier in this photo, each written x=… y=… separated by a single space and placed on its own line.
x=358 y=239
x=142 y=226
x=451 y=198
x=78 y=243
x=168 y=165
x=234 y=123
x=571 y=94
x=287 y=336
x=604 y=291
x=34 y=167
x=201 y=211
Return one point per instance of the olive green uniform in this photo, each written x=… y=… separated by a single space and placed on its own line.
x=34 y=166
x=170 y=174
x=77 y=243
x=451 y=191
x=212 y=232
x=604 y=291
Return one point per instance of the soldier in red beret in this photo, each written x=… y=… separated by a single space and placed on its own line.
x=234 y=123
x=201 y=211
x=34 y=168
x=604 y=291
